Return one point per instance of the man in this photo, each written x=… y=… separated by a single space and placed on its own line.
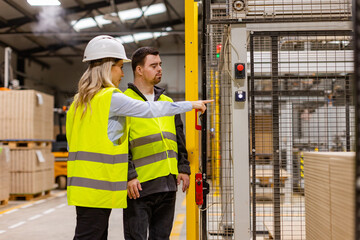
x=159 y=157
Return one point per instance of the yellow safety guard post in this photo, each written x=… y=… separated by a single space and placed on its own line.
x=191 y=94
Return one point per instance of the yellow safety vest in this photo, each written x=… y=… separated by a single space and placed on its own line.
x=153 y=145
x=97 y=170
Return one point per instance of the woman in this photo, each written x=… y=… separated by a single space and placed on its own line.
x=98 y=138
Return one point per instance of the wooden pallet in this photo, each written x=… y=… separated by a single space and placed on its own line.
x=28 y=196
x=4 y=202
x=26 y=144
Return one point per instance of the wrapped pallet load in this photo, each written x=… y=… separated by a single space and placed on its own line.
x=26 y=114
x=31 y=171
x=4 y=174
x=329 y=195
x=27 y=124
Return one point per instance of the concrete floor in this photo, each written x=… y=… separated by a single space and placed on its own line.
x=51 y=218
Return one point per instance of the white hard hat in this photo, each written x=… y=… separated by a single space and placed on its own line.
x=104 y=46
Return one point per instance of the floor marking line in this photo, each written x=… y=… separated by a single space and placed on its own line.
x=61 y=205
x=183 y=202
x=40 y=201
x=26 y=206
x=178 y=223
x=49 y=211
x=17 y=225
x=60 y=194
x=11 y=211
x=34 y=217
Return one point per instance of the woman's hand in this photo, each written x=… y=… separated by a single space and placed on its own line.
x=200 y=105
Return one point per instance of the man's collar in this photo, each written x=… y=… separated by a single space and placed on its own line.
x=157 y=91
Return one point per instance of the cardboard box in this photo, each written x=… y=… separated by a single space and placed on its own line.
x=4 y=173
x=29 y=160
x=26 y=114
x=31 y=171
x=31 y=182
x=329 y=195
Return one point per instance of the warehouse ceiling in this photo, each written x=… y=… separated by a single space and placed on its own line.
x=41 y=32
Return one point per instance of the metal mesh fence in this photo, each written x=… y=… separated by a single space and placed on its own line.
x=300 y=101
x=219 y=210
x=280 y=10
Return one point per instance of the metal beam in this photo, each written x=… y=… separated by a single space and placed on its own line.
x=299 y=26
x=72 y=10
x=28 y=52
x=30 y=38
x=80 y=55
x=41 y=63
x=20 y=9
x=174 y=10
x=147 y=24
x=170 y=19
x=88 y=33
x=145 y=20
x=80 y=3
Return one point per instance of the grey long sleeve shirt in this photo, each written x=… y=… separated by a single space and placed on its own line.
x=122 y=106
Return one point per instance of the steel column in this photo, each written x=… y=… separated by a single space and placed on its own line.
x=240 y=137
x=191 y=94
x=275 y=128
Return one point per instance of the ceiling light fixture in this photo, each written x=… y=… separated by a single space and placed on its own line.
x=90 y=22
x=126 y=39
x=136 y=12
x=124 y=15
x=154 y=9
x=83 y=23
x=44 y=2
x=141 y=36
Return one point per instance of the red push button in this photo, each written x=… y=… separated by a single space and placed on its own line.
x=240 y=67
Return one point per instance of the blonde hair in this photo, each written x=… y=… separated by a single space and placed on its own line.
x=96 y=77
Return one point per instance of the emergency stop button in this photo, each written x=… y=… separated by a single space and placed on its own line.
x=240 y=67
x=240 y=71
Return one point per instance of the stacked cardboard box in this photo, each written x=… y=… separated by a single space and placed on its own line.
x=31 y=170
x=27 y=126
x=263 y=138
x=26 y=114
x=4 y=173
x=329 y=195
x=342 y=172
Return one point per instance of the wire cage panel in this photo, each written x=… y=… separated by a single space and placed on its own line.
x=220 y=200
x=300 y=102
x=281 y=10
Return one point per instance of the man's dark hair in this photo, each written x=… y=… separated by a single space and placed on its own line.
x=140 y=54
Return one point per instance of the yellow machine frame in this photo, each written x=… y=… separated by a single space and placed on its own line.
x=191 y=94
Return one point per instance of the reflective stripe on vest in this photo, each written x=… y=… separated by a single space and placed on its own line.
x=97 y=169
x=153 y=144
x=155 y=158
x=96 y=184
x=151 y=138
x=98 y=157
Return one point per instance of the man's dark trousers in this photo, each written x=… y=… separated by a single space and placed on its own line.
x=154 y=212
